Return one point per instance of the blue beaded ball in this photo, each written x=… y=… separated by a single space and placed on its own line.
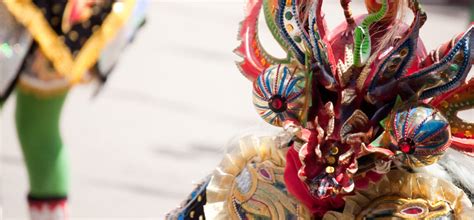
x=279 y=94
x=419 y=134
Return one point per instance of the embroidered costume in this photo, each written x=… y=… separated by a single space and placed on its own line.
x=47 y=46
x=369 y=120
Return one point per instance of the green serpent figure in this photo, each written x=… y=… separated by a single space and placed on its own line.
x=362 y=42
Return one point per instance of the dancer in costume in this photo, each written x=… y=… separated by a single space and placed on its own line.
x=367 y=116
x=47 y=46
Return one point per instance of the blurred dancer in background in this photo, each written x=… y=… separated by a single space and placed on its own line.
x=46 y=47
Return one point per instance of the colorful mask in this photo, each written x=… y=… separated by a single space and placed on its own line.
x=360 y=99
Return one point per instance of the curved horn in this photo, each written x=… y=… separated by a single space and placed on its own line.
x=393 y=64
x=450 y=104
x=255 y=58
x=288 y=21
x=447 y=74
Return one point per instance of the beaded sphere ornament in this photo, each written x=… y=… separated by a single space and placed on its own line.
x=278 y=94
x=420 y=134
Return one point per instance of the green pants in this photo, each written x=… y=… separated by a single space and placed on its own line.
x=38 y=127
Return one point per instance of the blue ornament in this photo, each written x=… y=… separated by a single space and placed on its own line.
x=279 y=94
x=420 y=134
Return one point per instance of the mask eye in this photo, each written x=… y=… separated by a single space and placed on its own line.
x=278 y=94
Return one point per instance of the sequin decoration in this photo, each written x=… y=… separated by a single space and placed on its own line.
x=193 y=206
x=288 y=21
x=420 y=134
x=451 y=105
x=449 y=72
x=74 y=52
x=278 y=94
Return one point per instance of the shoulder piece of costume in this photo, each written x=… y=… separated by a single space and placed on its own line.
x=248 y=184
x=193 y=206
x=72 y=34
x=15 y=43
x=402 y=195
x=361 y=101
x=111 y=52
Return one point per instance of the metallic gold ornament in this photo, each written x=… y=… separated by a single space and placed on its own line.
x=402 y=195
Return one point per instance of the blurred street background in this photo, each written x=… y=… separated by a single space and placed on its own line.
x=165 y=117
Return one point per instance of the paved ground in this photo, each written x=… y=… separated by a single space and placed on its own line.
x=166 y=115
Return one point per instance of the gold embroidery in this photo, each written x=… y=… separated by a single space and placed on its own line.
x=55 y=20
x=73 y=35
x=249 y=182
x=427 y=197
x=86 y=24
x=56 y=9
x=55 y=50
